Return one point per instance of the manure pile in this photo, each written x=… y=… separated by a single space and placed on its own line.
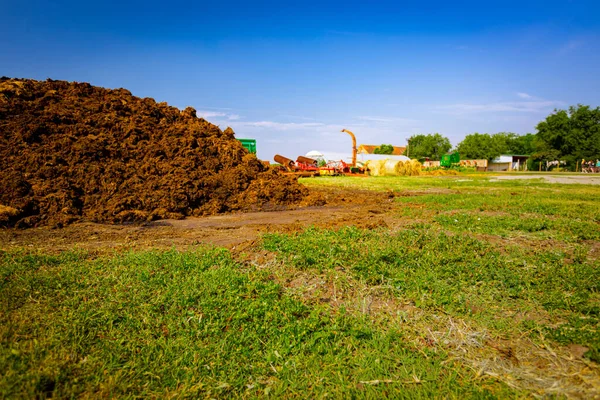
x=72 y=151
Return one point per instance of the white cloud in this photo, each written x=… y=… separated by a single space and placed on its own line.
x=280 y=125
x=209 y=114
x=524 y=95
x=217 y=115
x=510 y=106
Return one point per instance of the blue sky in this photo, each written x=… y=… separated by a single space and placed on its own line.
x=293 y=75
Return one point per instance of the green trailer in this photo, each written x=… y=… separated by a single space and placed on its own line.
x=449 y=159
x=249 y=144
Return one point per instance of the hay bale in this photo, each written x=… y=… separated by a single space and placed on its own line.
x=401 y=168
x=375 y=167
x=413 y=168
x=368 y=166
x=389 y=168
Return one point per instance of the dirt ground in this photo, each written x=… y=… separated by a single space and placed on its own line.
x=344 y=208
x=236 y=231
x=585 y=179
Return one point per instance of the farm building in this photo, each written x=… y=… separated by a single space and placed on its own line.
x=509 y=162
x=370 y=149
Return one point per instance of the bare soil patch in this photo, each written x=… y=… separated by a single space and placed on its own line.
x=344 y=207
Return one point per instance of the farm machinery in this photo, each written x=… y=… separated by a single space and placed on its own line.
x=450 y=159
x=305 y=166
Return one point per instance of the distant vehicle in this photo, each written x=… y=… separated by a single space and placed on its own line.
x=449 y=159
x=249 y=144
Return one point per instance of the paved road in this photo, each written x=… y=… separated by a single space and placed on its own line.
x=585 y=179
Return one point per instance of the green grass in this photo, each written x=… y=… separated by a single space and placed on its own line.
x=476 y=274
x=467 y=268
x=456 y=274
x=468 y=203
x=193 y=324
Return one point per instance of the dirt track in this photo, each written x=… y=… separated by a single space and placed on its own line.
x=584 y=179
x=345 y=207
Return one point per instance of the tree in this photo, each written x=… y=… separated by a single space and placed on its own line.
x=479 y=146
x=486 y=146
x=432 y=145
x=524 y=145
x=570 y=135
x=384 y=149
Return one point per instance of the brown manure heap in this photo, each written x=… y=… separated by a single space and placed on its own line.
x=72 y=151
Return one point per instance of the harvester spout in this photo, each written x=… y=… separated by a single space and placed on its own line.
x=353 y=146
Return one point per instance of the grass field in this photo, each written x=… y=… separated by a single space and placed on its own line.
x=480 y=289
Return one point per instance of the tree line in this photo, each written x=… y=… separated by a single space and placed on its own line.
x=567 y=135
